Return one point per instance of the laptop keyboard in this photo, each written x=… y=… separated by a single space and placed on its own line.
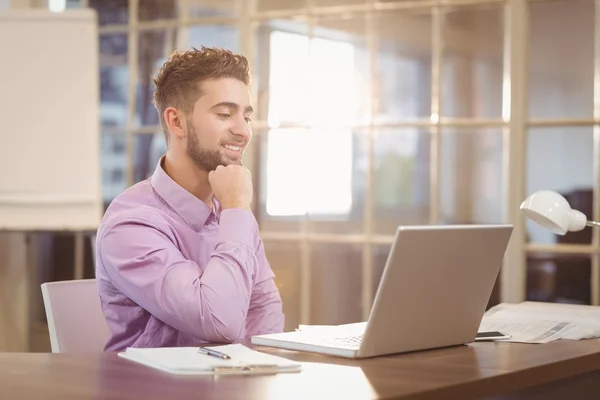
x=353 y=341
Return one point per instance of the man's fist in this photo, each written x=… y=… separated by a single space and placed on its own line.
x=231 y=186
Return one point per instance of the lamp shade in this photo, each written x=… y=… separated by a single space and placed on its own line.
x=552 y=211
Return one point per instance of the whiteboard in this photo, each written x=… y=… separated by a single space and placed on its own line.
x=50 y=175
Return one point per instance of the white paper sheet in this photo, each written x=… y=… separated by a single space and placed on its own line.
x=537 y=322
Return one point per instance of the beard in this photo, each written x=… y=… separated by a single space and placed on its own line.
x=206 y=160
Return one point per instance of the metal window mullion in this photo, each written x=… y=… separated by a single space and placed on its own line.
x=515 y=79
x=331 y=238
x=305 y=245
x=183 y=26
x=297 y=13
x=131 y=93
x=166 y=23
x=110 y=29
x=261 y=127
x=411 y=5
x=595 y=265
x=437 y=44
x=247 y=36
x=562 y=122
x=367 y=254
x=561 y=248
x=470 y=122
x=156 y=24
x=453 y=3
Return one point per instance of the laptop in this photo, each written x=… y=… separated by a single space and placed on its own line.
x=435 y=287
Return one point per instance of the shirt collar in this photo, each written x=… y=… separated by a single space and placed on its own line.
x=191 y=209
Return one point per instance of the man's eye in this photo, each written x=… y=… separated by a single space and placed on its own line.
x=224 y=116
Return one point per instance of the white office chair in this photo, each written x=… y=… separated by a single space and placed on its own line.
x=76 y=323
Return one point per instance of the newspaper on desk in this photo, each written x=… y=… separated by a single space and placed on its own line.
x=537 y=322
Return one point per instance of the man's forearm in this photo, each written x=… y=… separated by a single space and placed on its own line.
x=265 y=314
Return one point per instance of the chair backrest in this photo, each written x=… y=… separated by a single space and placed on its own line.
x=76 y=323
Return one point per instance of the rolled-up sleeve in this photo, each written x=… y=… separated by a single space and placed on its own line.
x=212 y=304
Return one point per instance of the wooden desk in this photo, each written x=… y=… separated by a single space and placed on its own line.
x=559 y=370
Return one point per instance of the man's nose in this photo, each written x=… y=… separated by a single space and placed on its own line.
x=241 y=128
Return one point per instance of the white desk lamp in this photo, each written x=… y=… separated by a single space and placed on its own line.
x=552 y=211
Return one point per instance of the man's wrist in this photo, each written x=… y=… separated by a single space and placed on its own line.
x=237 y=225
x=226 y=206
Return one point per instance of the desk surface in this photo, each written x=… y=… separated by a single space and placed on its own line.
x=473 y=371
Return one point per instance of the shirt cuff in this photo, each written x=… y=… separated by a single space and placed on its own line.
x=237 y=225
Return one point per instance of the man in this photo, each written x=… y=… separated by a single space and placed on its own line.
x=179 y=258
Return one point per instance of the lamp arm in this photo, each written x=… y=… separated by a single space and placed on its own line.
x=592 y=223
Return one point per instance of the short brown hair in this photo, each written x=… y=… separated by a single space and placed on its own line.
x=178 y=80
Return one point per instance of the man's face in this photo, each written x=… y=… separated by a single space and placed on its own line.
x=218 y=130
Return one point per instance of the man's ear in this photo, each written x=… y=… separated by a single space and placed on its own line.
x=175 y=121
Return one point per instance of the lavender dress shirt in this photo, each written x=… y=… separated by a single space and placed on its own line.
x=171 y=272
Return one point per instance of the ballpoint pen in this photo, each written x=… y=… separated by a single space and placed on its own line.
x=213 y=353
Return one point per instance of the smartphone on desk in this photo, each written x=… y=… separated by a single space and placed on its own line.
x=490 y=335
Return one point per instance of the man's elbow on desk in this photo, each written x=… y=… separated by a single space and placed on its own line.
x=226 y=331
x=216 y=324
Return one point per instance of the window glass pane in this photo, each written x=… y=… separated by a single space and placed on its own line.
x=471 y=189
x=154 y=46
x=278 y=74
x=114 y=80
x=211 y=8
x=472 y=62
x=561 y=159
x=561 y=66
x=339 y=72
x=111 y=12
x=288 y=81
x=286 y=194
x=559 y=278
x=114 y=164
x=150 y=10
x=403 y=84
x=225 y=36
x=401 y=178
x=329 y=94
x=60 y=5
x=272 y=169
x=335 y=178
x=301 y=177
x=148 y=150
x=336 y=284
x=270 y=5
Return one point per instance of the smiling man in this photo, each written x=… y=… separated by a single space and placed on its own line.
x=179 y=258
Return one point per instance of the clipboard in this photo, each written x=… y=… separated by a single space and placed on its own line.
x=189 y=361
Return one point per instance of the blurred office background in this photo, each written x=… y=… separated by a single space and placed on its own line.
x=370 y=114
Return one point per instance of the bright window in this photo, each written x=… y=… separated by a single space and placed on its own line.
x=311 y=83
